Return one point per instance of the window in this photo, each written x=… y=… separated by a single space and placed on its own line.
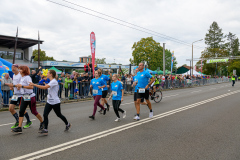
x=9 y=55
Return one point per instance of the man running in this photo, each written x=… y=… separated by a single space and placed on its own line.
x=143 y=90
x=104 y=90
x=17 y=98
x=135 y=91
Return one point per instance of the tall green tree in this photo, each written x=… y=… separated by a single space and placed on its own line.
x=149 y=51
x=232 y=44
x=214 y=37
x=214 y=40
x=43 y=56
x=100 y=60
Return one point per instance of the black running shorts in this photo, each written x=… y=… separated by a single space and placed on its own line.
x=135 y=97
x=15 y=102
x=143 y=95
x=104 y=94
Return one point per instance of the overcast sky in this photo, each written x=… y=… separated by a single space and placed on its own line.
x=66 y=32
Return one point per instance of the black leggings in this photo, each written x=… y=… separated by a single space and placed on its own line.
x=57 y=110
x=116 y=105
x=24 y=104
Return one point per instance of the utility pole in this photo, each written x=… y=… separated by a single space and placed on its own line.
x=15 y=47
x=38 y=50
x=163 y=58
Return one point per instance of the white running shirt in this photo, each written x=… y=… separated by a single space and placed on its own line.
x=25 y=82
x=53 y=92
x=16 y=80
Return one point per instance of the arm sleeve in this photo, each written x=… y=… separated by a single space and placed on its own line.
x=29 y=79
x=102 y=83
x=149 y=75
x=120 y=86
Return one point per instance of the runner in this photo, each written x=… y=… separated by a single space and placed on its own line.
x=105 y=79
x=117 y=96
x=135 y=91
x=16 y=98
x=143 y=90
x=96 y=86
x=28 y=98
x=53 y=101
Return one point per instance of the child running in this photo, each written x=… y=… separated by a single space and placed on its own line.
x=53 y=101
x=117 y=96
x=96 y=86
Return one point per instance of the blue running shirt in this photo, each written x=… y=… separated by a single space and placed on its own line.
x=143 y=78
x=95 y=83
x=116 y=87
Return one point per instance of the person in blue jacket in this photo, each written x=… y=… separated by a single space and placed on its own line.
x=117 y=97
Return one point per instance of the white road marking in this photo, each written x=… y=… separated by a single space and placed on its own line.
x=196 y=91
x=212 y=88
x=77 y=142
x=171 y=96
x=13 y=123
x=126 y=103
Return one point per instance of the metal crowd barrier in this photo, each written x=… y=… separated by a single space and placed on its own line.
x=81 y=90
x=170 y=84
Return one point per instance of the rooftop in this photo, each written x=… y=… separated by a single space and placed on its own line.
x=22 y=43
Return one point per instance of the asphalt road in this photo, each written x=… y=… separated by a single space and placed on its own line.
x=193 y=123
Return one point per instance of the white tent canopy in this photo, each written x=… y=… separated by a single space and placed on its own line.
x=195 y=73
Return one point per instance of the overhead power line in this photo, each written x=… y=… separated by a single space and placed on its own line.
x=141 y=30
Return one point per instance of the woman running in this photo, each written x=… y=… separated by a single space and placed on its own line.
x=96 y=86
x=117 y=96
x=53 y=101
x=28 y=98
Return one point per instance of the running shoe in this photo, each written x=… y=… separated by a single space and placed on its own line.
x=17 y=130
x=124 y=114
x=117 y=120
x=136 y=118
x=105 y=110
x=108 y=106
x=15 y=125
x=100 y=111
x=43 y=132
x=150 y=114
x=68 y=127
x=41 y=126
x=28 y=124
x=92 y=117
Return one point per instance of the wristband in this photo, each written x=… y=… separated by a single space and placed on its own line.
x=22 y=86
x=14 y=86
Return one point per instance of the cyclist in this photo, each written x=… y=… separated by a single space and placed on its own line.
x=154 y=85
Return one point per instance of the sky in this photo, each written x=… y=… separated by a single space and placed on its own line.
x=66 y=32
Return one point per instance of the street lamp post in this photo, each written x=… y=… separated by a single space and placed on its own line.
x=192 y=53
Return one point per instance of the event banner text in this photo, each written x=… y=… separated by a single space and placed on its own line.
x=216 y=60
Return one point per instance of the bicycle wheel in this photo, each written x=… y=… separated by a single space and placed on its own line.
x=158 y=96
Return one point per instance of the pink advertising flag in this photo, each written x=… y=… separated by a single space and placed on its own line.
x=93 y=47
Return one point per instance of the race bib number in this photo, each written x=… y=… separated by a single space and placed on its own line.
x=95 y=91
x=50 y=100
x=26 y=98
x=114 y=93
x=141 y=90
x=14 y=98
